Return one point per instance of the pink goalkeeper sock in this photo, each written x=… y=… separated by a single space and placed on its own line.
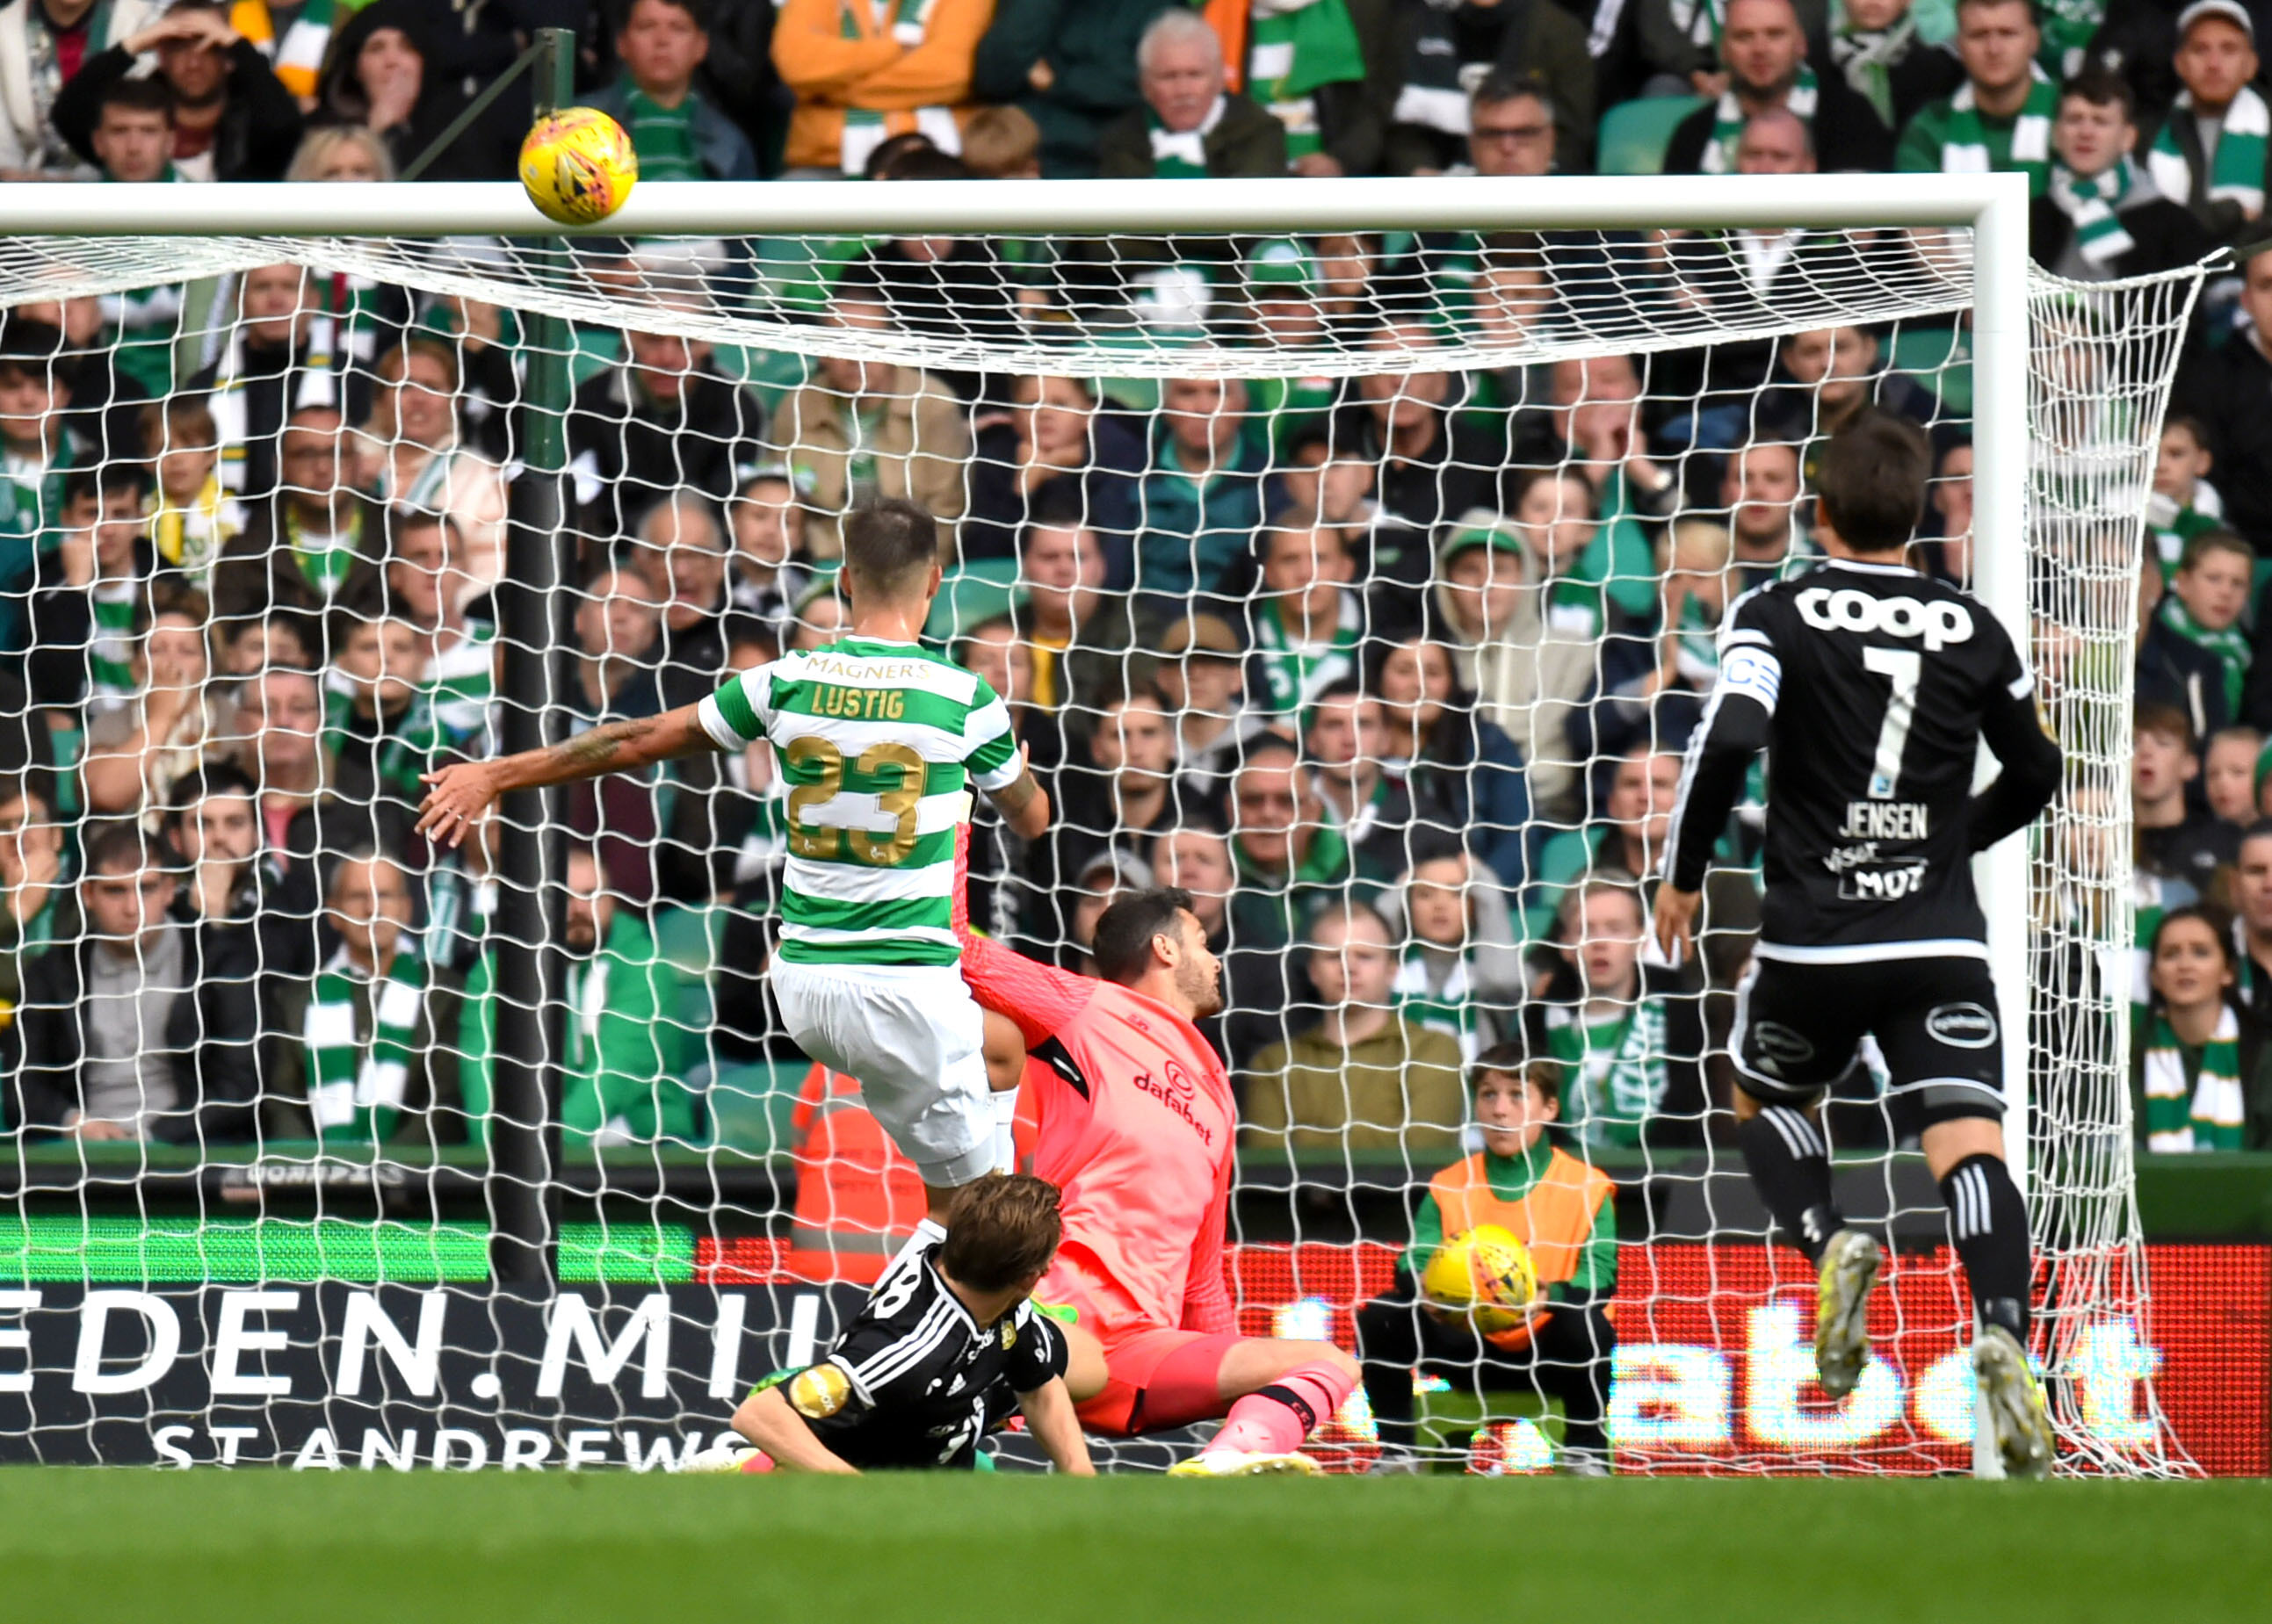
x=1274 y=1420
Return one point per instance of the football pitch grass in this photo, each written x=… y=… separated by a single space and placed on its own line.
x=141 y=1546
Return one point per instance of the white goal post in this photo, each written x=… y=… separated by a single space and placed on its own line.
x=1952 y=246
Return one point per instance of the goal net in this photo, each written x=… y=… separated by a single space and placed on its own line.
x=1363 y=582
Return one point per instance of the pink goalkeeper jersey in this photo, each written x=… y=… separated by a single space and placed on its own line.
x=1136 y=1130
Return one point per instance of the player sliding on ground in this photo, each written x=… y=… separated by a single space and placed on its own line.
x=940 y=1357
x=876 y=737
x=1137 y=1126
x=1874 y=688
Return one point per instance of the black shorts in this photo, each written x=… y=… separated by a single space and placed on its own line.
x=1798 y=1027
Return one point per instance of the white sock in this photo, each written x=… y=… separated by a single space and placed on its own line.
x=1005 y=1130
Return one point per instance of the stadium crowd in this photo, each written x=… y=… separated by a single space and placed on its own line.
x=1394 y=675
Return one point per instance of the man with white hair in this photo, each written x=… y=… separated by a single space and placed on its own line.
x=1191 y=123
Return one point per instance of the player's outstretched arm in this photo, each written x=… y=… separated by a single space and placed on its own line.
x=766 y=1420
x=457 y=796
x=1049 y=1418
x=1023 y=803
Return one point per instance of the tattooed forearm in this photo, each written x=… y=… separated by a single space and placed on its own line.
x=596 y=751
x=615 y=746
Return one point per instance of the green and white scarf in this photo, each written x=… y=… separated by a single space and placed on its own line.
x=1294 y=47
x=2236 y=169
x=357 y=1087
x=461 y=681
x=1297 y=673
x=908 y=21
x=1616 y=1069
x=2210 y=1114
x=110 y=650
x=1431 y=95
x=1729 y=118
x=2067 y=25
x=1181 y=154
x=1700 y=21
x=1867 y=57
x=313 y=380
x=1964 y=142
x=2231 y=647
x=1449 y=1009
x=2089 y=202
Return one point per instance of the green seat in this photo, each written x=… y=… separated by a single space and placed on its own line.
x=1633 y=134
x=1451 y=1419
x=975 y=592
x=1941 y=360
x=750 y=1105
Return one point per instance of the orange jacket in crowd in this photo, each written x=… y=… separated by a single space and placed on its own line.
x=865 y=70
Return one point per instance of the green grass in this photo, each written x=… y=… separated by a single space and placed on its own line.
x=402 y=1549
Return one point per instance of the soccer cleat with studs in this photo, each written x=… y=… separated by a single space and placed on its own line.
x=1851 y=1263
x=1236 y=1464
x=2018 y=1420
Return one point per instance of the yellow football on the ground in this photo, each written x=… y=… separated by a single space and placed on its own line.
x=578 y=165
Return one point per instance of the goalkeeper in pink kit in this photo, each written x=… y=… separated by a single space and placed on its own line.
x=1137 y=1128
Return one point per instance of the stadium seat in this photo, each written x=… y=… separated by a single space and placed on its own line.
x=977 y=592
x=1633 y=134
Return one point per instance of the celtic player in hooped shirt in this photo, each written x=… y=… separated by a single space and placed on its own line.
x=875 y=739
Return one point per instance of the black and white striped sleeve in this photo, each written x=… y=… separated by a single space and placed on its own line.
x=1733 y=730
x=887 y=1357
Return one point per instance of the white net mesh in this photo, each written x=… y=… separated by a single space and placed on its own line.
x=1452 y=517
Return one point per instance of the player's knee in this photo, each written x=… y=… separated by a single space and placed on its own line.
x=1326 y=1353
x=1005 y=1049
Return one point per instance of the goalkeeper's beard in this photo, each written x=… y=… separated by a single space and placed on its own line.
x=1203 y=993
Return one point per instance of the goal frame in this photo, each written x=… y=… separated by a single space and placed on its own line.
x=1994 y=206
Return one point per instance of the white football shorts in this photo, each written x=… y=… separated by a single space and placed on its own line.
x=914 y=1039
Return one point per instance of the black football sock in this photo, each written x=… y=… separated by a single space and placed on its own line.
x=1989 y=1220
x=1791 y=1169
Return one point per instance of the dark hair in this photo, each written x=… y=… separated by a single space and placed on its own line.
x=1001 y=1230
x=1339 y=687
x=1502 y=85
x=889 y=543
x=698 y=10
x=2260 y=830
x=2103 y=87
x=2220 y=930
x=1514 y=1059
x=153 y=94
x=24 y=786
x=2191 y=424
x=968 y=634
x=1060 y=504
x=204 y=783
x=889 y=150
x=2208 y=541
x=1123 y=947
x=925 y=163
x=122 y=848
x=105 y=479
x=2164 y=721
x=1871 y=483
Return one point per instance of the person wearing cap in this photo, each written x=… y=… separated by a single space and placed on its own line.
x=2225 y=389
x=2212 y=152
x=1526 y=673
x=2000 y=117
x=2103 y=216
x=1202 y=674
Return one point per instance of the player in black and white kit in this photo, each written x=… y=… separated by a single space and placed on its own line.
x=947 y=1347
x=1873 y=689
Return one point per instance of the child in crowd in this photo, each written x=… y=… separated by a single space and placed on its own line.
x=194 y=519
x=2195 y=653
x=379 y=724
x=1557 y=1206
x=2175 y=838
x=2184 y=503
x=1554 y=514
x=1461 y=972
x=2228 y=774
x=1603 y=1020
x=1694 y=557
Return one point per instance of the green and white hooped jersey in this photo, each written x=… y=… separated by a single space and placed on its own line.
x=875 y=741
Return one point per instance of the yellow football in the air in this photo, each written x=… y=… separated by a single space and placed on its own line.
x=578 y=165
x=1486 y=1273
